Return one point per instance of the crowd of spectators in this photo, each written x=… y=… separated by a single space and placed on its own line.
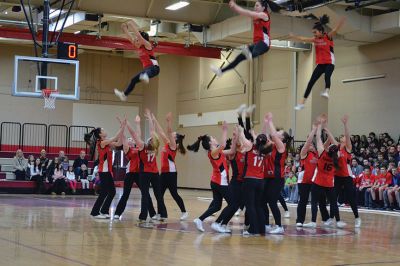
x=375 y=168
x=55 y=176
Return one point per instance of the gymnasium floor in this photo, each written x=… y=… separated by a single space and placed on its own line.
x=48 y=230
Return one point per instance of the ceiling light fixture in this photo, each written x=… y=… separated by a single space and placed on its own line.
x=177 y=5
x=55 y=12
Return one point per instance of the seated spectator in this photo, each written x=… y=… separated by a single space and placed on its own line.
x=356 y=169
x=290 y=183
x=389 y=195
x=65 y=164
x=297 y=160
x=71 y=179
x=381 y=159
x=79 y=161
x=51 y=168
x=20 y=165
x=60 y=185
x=44 y=161
x=397 y=154
x=363 y=184
x=382 y=181
x=61 y=156
x=31 y=161
x=83 y=177
x=37 y=175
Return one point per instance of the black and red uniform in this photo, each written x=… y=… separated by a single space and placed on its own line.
x=149 y=175
x=325 y=59
x=274 y=183
x=107 y=188
x=169 y=176
x=323 y=184
x=261 y=41
x=219 y=184
x=344 y=181
x=150 y=68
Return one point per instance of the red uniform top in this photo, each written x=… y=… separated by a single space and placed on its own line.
x=168 y=160
x=309 y=165
x=105 y=158
x=261 y=30
x=324 y=176
x=147 y=57
x=254 y=164
x=133 y=164
x=384 y=179
x=275 y=164
x=365 y=180
x=220 y=171
x=148 y=161
x=237 y=165
x=324 y=50
x=344 y=164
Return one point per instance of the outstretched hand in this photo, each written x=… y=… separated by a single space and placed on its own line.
x=345 y=119
x=232 y=3
x=169 y=117
x=147 y=114
x=224 y=126
x=137 y=119
x=268 y=117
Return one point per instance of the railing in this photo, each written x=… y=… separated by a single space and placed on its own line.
x=33 y=137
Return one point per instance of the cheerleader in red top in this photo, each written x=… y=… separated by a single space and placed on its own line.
x=132 y=172
x=309 y=160
x=97 y=138
x=324 y=178
x=148 y=171
x=325 y=58
x=173 y=142
x=261 y=33
x=142 y=43
x=220 y=175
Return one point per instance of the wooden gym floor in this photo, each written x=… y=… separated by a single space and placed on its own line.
x=48 y=230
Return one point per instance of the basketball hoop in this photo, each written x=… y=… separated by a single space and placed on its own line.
x=49 y=96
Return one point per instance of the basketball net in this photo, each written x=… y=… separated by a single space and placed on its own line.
x=49 y=96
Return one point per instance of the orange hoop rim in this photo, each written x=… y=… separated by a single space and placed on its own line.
x=48 y=92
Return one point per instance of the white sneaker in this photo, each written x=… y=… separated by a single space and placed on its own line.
x=328 y=222
x=250 y=109
x=299 y=107
x=357 y=223
x=184 y=216
x=156 y=217
x=246 y=233
x=277 y=230
x=199 y=224
x=287 y=214
x=99 y=216
x=237 y=213
x=299 y=225
x=116 y=217
x=216 y=70
x=246 y=227
x=226 y=229
x=269 y=228
x=216 y=227
x=106 y=215
x=239 y=111
x=325 y=94
x=310 y=225
x=340 y=224
x=144 y=78
x=120 y=95
x=246 y=52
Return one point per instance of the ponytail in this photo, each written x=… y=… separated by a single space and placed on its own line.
x=179 y=141
x=205 y=142
x=332 y=152
x=272 y=5
x=321 y=23
x=91 y=140
x=228 y=144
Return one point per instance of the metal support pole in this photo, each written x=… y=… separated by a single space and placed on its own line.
x=45 y=42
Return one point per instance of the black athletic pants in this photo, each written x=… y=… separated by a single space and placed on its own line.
x=348 y=186
x=106 y=195
x=272 y=192
x=235 y=195
x=146 y=203
x=151 y=71
x=304 y=193
x=283 y=202
x=256 y=50
x=253 y=190
x=170 y=181
x=246 y=128
x=219 y=193
x=317 y=194
x=326 y=69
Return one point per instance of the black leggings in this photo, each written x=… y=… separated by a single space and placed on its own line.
x=59 y=186
x=246 y=128
x=131 y=178
x=256 y=50
x=235 y=195
x=106 y=195
x=146 y=202
x=170 y=181
x=219 y=193
x=318 y=71
x=318 y=194
x=283 y=202
x=304 y=192
x=253 y=190
x=272 y=192
x=346 y=183
x=151 y=71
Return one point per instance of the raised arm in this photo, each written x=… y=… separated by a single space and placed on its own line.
x=320 y=145
x=135 y=28
x=125 y=143
x=248 y=13
x=280 y=146
x=160 y=130
x=345 y=120
x=221 y=147
x=246 y=144
x=232 y=150
x=114 y=141
x=334 y=31
x=139 y=142
x=331 y=138
x=138 y=128
x=306 y=147
x=170 y=133
x=300 y=38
